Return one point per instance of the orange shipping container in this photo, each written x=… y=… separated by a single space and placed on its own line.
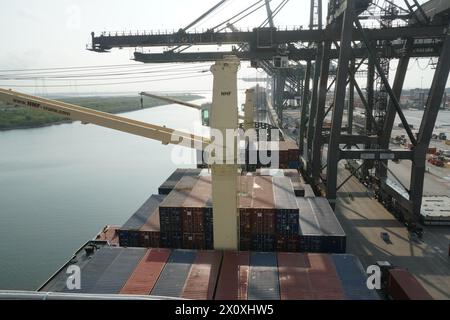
x=144 y=277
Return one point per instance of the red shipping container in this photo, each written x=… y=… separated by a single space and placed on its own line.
x=308 y=276
x=193 y=241
x=402 y=285
x=192 y=215
x=233 y=278
x=202 y=278
x=192 y=219
x=325 y=282
x=293 y=275
x=147 y=272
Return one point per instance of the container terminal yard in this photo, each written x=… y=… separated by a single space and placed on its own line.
x=320 y=187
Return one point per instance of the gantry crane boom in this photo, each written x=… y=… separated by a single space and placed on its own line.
x=74 y=112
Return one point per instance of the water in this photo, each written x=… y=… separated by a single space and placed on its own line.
x=60 y=185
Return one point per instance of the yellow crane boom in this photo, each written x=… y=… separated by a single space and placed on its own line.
x=172 y=100
x=74 y=112
x=180 y=102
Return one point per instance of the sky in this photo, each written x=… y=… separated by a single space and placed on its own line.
x=54 y=34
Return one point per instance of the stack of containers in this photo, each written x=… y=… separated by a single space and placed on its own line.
x=149 y=233
x=196 y=217
x=263 y=215
x=320 y=230
x=146 y=216
x=228 y=275
x=170 y=213
x=287 y=215
x=176 y=176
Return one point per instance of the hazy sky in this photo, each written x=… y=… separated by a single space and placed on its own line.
x=45 y=34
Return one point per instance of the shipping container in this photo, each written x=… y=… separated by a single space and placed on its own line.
x=245 y=243
x=173 y=240
x=94 y=269
x=245 y=205
x=263 y=213
x=149 y=234
x=170 y=209
x=308 y=191
x=287 y=211
x=140 y=217
x=233 y=277
x=402 y=285
x=287 y=243
x=293 y=174
x=320 y=230
x=262 y=242
x=353 y=278
x=324 y=280
x=194 y=206
x=119 y=271
x=202 y=279
x=263 y=281
x=194 y=241
x=175 y=177
x=173 y=277
x=293 y=275
x=129 y=235
x=147 y=272
x=294 y=164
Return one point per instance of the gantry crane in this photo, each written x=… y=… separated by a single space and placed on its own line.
x=223 y=117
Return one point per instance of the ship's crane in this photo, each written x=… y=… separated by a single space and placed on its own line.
x=103 y=119
x=205 y=109
x=225 y=116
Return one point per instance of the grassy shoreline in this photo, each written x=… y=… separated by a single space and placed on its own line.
x=12 y=118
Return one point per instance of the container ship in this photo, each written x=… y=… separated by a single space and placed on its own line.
x=291 y=244
x=261 y=230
